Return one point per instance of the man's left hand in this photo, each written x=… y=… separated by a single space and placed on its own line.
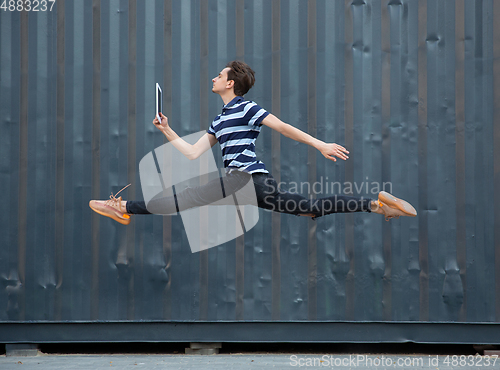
x=332 y=150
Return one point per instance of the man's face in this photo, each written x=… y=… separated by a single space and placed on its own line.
x=220 y=83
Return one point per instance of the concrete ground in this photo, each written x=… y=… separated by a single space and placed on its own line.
x=252 y=356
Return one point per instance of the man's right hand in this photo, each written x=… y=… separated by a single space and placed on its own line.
x=163 y=125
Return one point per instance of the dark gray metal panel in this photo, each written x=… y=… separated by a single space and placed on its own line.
x=60 y=157
x=423 y=238
x=333 y=262
x=410 y=87
x=95 y=152
x=460 y=147
x=496 y=149
x=10 y=119
x=74 y=69
x=251 y=332
x=478 y=161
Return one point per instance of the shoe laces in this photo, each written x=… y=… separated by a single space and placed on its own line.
x=114 y=201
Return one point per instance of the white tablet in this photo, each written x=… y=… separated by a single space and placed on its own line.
x=158 y=101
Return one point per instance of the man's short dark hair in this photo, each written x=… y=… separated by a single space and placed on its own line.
x=242 y=75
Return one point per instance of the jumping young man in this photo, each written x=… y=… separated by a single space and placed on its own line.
x=236 y=129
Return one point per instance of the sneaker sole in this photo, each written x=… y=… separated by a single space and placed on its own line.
x=113 y=217
x=397 y=203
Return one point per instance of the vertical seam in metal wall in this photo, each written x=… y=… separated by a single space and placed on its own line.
x=460 y=146
x=59 y=188
x=276 y=163
x=385 y=65
x=311 y=154
x=203 y=315
x=422 y=160
x=349 y=169
x=23 y=161
x=131 y=130
x=96 y=128
x=240 y=241
x=167 y=90
x=496 y=155
x=240 y=29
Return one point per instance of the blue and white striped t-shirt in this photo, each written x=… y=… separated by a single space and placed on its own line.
x=236 y=129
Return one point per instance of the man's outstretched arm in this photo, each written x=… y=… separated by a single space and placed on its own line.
x=329 y=150
x=190 y=151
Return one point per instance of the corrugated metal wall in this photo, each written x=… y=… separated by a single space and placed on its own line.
x=411 y=88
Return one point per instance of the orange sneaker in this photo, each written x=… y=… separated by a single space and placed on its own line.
x=111 y=208
x=394 y=207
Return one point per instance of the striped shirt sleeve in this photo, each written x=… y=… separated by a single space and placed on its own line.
x=256 y=115
x=211 y=129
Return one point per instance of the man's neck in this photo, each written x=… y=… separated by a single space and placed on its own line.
x=226 y=98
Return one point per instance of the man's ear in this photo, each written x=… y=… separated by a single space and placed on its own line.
x=230 y=84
